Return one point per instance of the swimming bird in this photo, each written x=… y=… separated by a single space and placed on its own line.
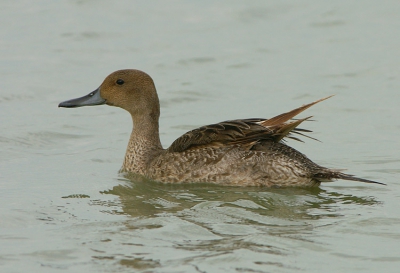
x=245 y=152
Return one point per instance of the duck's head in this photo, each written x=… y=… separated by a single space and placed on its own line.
x=130 y=89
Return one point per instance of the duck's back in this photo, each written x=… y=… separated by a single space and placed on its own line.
x=267 y=164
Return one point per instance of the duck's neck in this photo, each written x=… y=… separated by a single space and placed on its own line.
x=144 y=143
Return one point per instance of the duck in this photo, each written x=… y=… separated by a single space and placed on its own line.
x=241 y=152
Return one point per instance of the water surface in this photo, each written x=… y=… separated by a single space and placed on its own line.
x=63 y=206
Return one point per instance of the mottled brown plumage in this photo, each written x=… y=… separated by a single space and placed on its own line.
x=246 y=152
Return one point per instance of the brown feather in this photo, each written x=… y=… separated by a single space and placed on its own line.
x=279 y=119
x=286 y=128
x=244 y=132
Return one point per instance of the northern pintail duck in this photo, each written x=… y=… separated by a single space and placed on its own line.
x=246 y=152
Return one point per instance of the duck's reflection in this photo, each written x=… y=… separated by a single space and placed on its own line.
x=204 y=220
x=141 y=197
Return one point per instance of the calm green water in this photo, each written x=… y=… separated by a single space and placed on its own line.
x=63 y=207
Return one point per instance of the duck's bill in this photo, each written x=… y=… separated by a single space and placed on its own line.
x=93 y=98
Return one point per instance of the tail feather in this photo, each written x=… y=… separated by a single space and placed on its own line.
x=333 y=174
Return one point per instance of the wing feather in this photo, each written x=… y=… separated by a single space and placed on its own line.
x=245 y=132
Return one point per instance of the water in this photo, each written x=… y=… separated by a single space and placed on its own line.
x=63 y=206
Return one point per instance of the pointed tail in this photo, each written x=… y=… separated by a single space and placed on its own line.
x=328 y=175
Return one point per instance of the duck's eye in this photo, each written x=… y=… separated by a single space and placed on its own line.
x=120 y=82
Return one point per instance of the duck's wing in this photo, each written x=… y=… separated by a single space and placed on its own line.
x=245 y=132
